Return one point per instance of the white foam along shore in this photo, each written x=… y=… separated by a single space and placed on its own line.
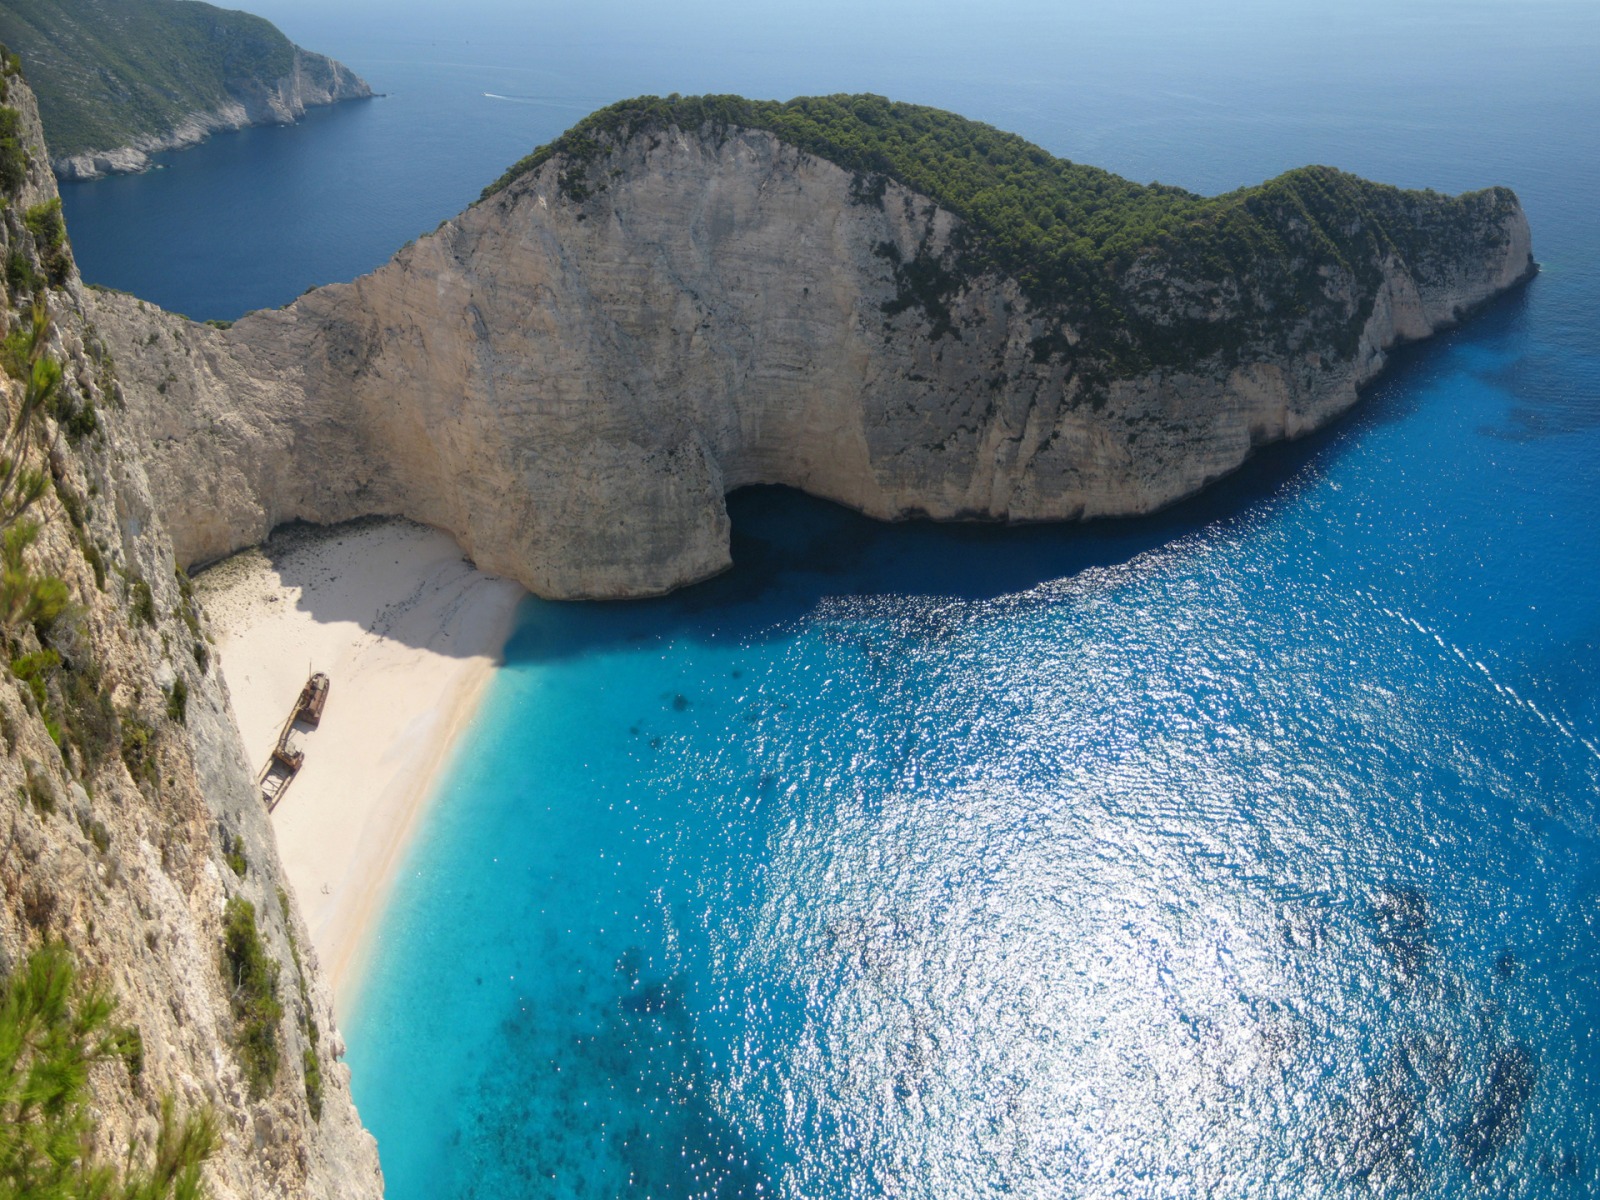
x=409 y=633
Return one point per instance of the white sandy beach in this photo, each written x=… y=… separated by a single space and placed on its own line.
x=409 y=633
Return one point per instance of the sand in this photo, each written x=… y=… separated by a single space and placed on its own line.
x=409 y=633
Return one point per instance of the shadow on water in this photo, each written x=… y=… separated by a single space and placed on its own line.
x=790 y=550
x=1553 y=377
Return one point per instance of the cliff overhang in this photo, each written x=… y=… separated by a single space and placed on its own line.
x=682 y=297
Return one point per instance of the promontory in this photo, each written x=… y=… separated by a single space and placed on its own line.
x=120 y=80
x=885 y=305
x=881 y=304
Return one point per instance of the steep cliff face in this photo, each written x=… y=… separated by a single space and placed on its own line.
x=569 y=377
x=129 y=821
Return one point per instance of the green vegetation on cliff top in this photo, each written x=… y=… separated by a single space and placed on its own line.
x=1250 y=266
x=108 y=72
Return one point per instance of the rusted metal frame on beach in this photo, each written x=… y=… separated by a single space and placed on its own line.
x=307 y=708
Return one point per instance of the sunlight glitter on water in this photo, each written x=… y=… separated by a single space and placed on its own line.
x=1198 y=872
x=1248 y=850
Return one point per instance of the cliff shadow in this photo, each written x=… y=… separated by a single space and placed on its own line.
x=791 y=551
x=395 y=579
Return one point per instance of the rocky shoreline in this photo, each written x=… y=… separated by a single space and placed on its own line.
x=315 y=81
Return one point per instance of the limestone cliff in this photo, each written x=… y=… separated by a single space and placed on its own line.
x=130 y=819
x=571 y=375
x=120 y=80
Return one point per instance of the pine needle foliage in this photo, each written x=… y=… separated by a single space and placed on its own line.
x=22 y=483
x=26 y=597
x=54 y=1029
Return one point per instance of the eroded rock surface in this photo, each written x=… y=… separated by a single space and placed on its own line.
x=130 y=817
x=571 y=383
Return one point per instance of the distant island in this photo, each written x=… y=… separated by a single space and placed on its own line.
x=119 y=80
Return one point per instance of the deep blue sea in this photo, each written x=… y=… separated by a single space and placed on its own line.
x=1245 y=851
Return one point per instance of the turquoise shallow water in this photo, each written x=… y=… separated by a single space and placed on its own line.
x=1244 y=851
x=1249 y=850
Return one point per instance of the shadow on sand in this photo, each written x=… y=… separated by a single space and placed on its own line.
x=791 y=550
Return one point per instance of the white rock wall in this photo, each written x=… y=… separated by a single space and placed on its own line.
x=570 y=389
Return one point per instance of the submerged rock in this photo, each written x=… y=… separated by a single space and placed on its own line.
x=1500 y=1106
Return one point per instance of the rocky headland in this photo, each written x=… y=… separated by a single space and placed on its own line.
x=312 y=81
x=684 y=297
x=120 y=80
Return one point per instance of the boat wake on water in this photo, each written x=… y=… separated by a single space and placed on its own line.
x=548 y=101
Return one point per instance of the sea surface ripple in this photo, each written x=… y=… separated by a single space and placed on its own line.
x=1248 y=850
x=1245 y=851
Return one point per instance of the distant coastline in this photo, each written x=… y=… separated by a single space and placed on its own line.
x=194 y=129
x=121 y=80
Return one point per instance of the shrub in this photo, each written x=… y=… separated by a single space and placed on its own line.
x=92 y=724
x=34 y=670
x=129 y=1044
x=50 y=239
x=138 y=749
x=13 y=154
x=40 y=794
x=308 y=1024
x=252 y=977
x=80 y=422
x=141 y=601
x=178 y=702
x=71 y=504
x=313 y=1071
x=233 y=854
x=96 y=561
x=186 y=606
x=76 y=416
x=20 y=275
x=53 y=1030
x=14 y=351
x=26 y=598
